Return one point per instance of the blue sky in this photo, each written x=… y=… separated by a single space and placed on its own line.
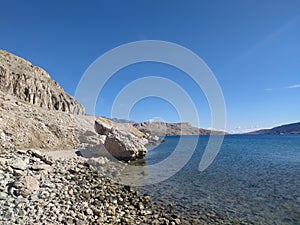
x=252 y=47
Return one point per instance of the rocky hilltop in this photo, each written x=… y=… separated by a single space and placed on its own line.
x=34 y=85
x=172 y=129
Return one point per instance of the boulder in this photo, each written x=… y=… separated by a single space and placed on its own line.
x=124 y=145
x=18 y=164
x=102 y=128
x=26 y=185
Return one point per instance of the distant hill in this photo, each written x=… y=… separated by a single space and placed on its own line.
x=293 y=128
x=117 y=120
x=172 y=129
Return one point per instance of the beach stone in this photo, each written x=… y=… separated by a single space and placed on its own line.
x=177 y=221
x=18 y=164
x=42 y=167
x=2 y=163
x=26 y=185
x=89 y=211
x=3 y=196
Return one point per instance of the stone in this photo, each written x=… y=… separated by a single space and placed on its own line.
x=3 y=196
x=102 y=128
x=26 y=185
x=45 y=167
x=18 y=164
x=125 y=146
x=102 y=138
x=100 y=161
x=89 y=211
x=2 y=163
x=177 y=221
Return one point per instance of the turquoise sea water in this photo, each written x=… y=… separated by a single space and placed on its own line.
x=254 y=178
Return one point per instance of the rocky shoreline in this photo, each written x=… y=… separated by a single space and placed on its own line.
x=36 y=189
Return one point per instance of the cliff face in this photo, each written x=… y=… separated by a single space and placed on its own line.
x=32 y=84
x=23 y=126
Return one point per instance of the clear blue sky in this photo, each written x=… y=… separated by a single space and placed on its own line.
x=253 y=48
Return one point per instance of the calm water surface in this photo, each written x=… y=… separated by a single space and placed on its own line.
x=254 y=178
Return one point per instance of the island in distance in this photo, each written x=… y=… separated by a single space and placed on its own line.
x=293 y=128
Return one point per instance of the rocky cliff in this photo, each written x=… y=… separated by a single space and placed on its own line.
x=32 y=84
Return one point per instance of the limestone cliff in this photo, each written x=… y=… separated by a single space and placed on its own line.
x=32 y=84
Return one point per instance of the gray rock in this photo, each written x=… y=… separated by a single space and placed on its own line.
x=124 y=145
x=45 y=167
x=102 y=128
x=18 y=164
x=3 y=196
x=26 y=185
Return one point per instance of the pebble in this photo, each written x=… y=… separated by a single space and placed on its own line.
x=3 y=196
x=18 y=164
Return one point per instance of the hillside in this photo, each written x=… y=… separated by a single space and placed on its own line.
x=36 y=113
x=293 y=128
x=172 y=129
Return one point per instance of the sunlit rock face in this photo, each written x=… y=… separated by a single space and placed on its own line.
x=34 y=85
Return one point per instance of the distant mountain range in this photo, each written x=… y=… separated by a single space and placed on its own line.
x=293 y=128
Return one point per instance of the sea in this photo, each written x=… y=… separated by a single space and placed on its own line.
x=254 y=178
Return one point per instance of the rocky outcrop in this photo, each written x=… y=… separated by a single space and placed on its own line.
x=32 y=84
x=35 y=112
x=172 y=129
x=120 y=142
x=23 y=126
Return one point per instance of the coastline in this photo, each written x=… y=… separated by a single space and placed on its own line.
x=37 y=189
x=64 y=188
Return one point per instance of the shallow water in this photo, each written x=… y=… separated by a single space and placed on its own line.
x=254 y=178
